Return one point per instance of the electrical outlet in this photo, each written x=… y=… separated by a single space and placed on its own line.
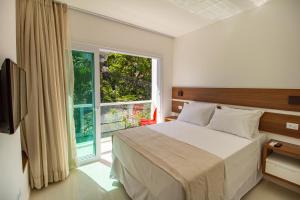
x=292 y=126
x=179 y=107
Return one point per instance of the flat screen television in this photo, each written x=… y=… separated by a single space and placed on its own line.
x=13 y=98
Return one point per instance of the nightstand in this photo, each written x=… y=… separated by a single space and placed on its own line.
x=281 y=164
x=170 y=118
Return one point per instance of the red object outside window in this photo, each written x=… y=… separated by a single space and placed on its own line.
x=144 y=122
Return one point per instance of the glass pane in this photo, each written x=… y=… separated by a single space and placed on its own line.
x=84 y=104
x=118 y=117
x=126 y=91
x=125 y=78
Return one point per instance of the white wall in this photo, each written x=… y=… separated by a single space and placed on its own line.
x=11 y=173
x=90 y=29
x=13 y=182
x=257 y=49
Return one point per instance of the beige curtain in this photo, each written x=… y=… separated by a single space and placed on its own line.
x=43 y=50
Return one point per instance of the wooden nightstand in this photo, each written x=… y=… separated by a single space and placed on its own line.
x=289 y=153
x=170 y=118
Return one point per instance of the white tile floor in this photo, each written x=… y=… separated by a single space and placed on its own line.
x=89 y=182
x=92 y=181
x=266 y=190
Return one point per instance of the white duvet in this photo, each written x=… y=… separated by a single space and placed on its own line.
x=241 y=157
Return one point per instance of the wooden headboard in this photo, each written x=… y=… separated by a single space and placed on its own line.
x=278 y=99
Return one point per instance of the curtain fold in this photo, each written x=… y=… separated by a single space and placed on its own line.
x=43 y=50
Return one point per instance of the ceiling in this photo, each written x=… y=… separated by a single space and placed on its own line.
x=169 y=17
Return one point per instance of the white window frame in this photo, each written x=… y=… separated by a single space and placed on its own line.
x=96 y=49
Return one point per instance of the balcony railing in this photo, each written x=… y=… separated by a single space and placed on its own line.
x=114 y=116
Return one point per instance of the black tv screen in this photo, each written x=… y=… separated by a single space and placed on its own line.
x=13 y=98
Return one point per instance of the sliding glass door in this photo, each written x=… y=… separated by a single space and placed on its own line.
x=84 y=104
x=113 y=91
x=126 y=94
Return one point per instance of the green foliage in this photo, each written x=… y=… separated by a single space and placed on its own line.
x=128 y=78
x=83 y=63
x=83 y=73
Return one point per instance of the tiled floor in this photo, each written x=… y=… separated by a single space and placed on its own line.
x=92 y=182
x=266 y=190
x=89 y=182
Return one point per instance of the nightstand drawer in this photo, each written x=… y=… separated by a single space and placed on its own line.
x=283 y=167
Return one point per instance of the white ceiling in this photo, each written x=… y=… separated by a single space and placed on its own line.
x=169 y=17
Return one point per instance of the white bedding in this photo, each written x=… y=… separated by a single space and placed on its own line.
x=241 y=157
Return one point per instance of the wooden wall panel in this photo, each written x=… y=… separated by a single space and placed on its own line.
x=175 y=105
x=276 y=123
x=262 y=98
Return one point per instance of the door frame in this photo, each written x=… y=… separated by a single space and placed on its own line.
x=91 y=49
x=96 y=49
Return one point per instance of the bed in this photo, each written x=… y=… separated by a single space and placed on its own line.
x=144 y=180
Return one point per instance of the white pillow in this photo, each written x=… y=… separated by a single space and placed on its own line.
x=197 y=113
x=258 y=112
x=243 y=123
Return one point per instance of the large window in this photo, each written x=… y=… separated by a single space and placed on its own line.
x=125 y=78
x=125 y=84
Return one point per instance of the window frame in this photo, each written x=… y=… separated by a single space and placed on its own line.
x=96 y=49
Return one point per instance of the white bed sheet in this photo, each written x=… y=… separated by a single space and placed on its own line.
x=241 y=157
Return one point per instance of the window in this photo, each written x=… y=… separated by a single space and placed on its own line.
x=125 y=85
x=113 y=91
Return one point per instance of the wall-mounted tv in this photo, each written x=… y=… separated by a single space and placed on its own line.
x=13 y=98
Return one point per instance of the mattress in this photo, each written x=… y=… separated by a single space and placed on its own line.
x=283 y=167
x=144 y=180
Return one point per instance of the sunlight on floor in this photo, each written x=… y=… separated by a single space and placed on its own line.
x=100 y=174
x=89 y=182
